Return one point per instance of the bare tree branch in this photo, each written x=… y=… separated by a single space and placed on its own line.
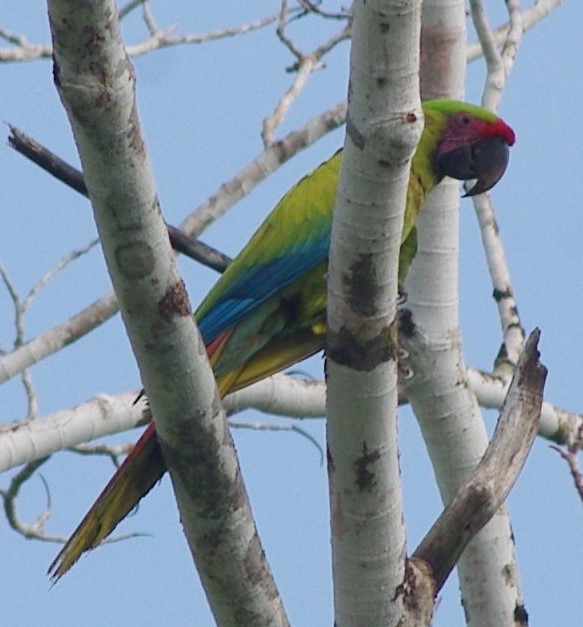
x=270 y=426
x=35 y=529
x=23 y=51
x=162 y=38
x=305 y=66
x=447 y=411
x=556 y=424
x=29 y=440
x=480 y=497
x=262 y=166
x=502 y=293
x=129 y=7
x=225 y=197
x=73 y=178
x=570 y=455
x=56 y=338
x=281 y=395
x=499 y=65
x=96 y=84
x=530 y=18
x=158 y=39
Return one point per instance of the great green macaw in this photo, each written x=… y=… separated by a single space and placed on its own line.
x=268 y=310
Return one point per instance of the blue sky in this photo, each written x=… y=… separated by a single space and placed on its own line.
x=201 y=109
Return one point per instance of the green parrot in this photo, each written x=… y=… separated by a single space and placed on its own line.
x=268 y=310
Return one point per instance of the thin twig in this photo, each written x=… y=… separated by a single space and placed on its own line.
x=20 y=308
x=314 y=7
x=34 y=529
x=157 y=40
x=51 y=273
x=499 y=65
x=129 y=7
x=113 y=451
x=52 y=340
x=73 y=178
x=270 y=426
x=530 y=18
x=164 y=39
x=502 y=292
x=281 y=32
x=262 y=166
x=570 y=455
x=306 y=64
x=149 y=19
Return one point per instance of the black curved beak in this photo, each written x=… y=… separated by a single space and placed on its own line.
x=485 y=161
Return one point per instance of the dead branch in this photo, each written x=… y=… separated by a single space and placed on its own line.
x=480 y=497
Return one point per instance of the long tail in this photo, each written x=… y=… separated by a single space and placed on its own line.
x=145 y=465
x=138 y=474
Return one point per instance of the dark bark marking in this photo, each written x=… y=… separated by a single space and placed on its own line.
x=364 y=356
x=365 y=479
x=174 y=302
x=499 y=295
x=362 y=286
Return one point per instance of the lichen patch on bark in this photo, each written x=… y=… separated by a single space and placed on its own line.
x=135 y=260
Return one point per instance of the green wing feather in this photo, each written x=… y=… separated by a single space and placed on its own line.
x=266 y=312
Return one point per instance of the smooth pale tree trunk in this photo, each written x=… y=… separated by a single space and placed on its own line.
x=368 y=535
x=443 y=402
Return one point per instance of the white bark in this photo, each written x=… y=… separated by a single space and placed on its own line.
x=383 y=127
x=486 y=489
x=444 y=405
x=104 y=414
x=280 y=395
x=242 y=183
x=57 y=338
x=34 y=439
x=96 y=84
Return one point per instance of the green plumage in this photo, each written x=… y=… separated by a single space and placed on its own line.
x=268 y=310
x=286 y=307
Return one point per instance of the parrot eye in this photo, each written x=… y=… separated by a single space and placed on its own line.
x=465 y=120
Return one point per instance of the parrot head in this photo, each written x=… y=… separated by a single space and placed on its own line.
x=474 y=145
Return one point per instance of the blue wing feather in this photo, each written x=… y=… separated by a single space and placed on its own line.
x=258 y=284
x=293 y=239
